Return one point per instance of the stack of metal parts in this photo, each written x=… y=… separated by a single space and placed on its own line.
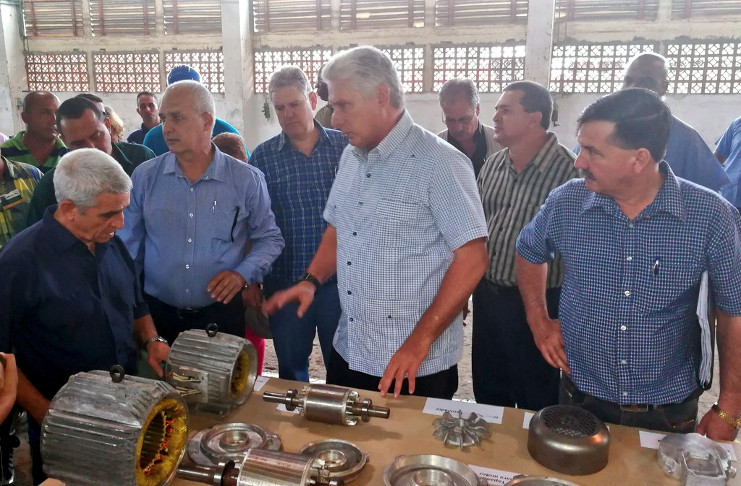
x=694 y=459
x=229 y=442
x=125 y=431
x=428 y=469
x=461 y=432
x=214 y=371
x=328 y=404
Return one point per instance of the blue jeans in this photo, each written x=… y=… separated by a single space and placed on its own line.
x=293 y=337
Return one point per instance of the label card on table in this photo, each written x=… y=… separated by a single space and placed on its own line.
x=650 y=440
x=260 y=382
x=490 y=413
x=495 y=477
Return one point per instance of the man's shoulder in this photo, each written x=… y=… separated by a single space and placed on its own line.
x=684 y=131
x=221 y=126
x=135 y=152
x=22 y=170
x=23 y=248
x=267 y=148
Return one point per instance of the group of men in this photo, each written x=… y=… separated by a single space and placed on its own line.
x=375 y=234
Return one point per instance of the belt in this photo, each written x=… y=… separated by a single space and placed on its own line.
x=626 y=407
x=186 y=312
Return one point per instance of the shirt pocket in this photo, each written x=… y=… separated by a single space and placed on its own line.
x=223 y=225
x=396 y=224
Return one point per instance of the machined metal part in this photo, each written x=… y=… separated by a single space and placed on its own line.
x=568 y=439
x=215 y=371
x=329 y=404
x=461 y=432
x=694 y=459
x=343 y=459
x=229 y=442
x=262 y=467
x=429 y=469
x=538 y=481
x=129 y=431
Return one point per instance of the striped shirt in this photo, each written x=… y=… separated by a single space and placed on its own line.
x=629 y=297
x=16 y=191
x=511 y=200
x=400 y=211
x=14 y=149
x=299 y=187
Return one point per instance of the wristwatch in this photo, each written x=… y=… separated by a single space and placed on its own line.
x=734 y=422
x=307 y=277
x=154 y=339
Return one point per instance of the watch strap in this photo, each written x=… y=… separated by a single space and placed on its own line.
x=154 y=339
x=307 y=277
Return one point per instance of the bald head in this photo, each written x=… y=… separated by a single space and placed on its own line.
x=647 y=70
x=35 y=97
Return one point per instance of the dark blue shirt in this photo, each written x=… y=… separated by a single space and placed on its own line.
x=65 y=310
x=630 y=290
x=137 y=136
x=299 y=187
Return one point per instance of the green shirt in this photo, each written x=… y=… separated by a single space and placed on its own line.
x=17 y=185
x=14 y=149
x=129 y=155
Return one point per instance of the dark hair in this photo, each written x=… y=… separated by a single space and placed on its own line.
x=641 y=119
x=145 y=93
x=534 y=98
x=231 y=144
x=91 y=97
x=74 y=108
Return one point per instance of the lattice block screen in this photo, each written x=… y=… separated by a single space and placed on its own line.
x=704 y=68
x=269 y=61
x=491 y=68
x=410 y=63
x=593 y=68
x=57 y=72
x=381 y=14
x=126 y=72
x=209 y=64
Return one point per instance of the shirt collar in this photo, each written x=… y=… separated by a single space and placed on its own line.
x=284 y=141
x=61 y=237
x=392 y=140
x=216 y=168
x=121 y=158
x=17 y=141
x=11 y=167
x=668 y=199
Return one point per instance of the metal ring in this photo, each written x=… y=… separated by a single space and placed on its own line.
x=117 y=373
x=212 y=329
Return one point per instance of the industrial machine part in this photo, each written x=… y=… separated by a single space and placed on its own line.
x=212 y=370
x=461 y=432
x=343 y=459
x=538 y=481
x=428 y=469
x=568 y=439
x=262 y=467
x=694 y=460
x=114 y=430
x=224 y=442
x=329 y=404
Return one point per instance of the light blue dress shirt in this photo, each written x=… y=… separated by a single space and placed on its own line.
x=690 y=157
x=630 y=290
x=729 y=146
x=400 y=211
x=183 y=234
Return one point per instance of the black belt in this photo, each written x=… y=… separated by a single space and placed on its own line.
x=625 y=407
x=190 y=312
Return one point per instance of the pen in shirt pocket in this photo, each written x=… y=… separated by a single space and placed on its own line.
x=213 y=208
x=655 y=266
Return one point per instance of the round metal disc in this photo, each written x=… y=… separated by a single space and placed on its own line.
x=428 y=469
x=343 y=459
x=229 y=442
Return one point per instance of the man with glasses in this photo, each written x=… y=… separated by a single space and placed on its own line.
x=459 y=101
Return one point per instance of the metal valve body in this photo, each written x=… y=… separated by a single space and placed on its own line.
x=329 y=404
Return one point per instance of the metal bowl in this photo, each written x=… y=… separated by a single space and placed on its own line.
x=343 y=459
x=568 y=439
x=428 y=470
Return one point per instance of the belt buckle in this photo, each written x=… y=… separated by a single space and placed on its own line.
x=635 y=408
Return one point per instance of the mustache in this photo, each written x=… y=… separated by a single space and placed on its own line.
x=586 y=174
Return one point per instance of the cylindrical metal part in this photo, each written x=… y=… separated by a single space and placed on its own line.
x=325 y=403
x=98 y=432
x=222 y=367
x=224 y=442
x=225 y=474
x=262 y=467
x=290 y=400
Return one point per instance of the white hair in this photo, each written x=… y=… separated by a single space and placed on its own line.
x=366 y=68
x=203 y=101
x=84 y=174
x=289 y=76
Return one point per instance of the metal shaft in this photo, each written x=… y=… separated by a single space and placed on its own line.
x=366 y=409
x=222 y=475
x=291 y=399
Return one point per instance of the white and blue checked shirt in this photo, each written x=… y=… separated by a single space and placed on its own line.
x=400 y=211
x=631 y=286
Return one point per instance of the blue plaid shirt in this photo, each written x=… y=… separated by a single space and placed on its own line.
x=298 y=187
x=630 y=288
x=400 y=210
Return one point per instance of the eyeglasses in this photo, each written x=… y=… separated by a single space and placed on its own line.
x=464 y=120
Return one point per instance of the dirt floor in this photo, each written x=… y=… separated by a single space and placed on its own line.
x=317 y=375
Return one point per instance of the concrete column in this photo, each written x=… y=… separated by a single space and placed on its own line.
x=13 y=80
x=235 y=17
x=538 y=47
